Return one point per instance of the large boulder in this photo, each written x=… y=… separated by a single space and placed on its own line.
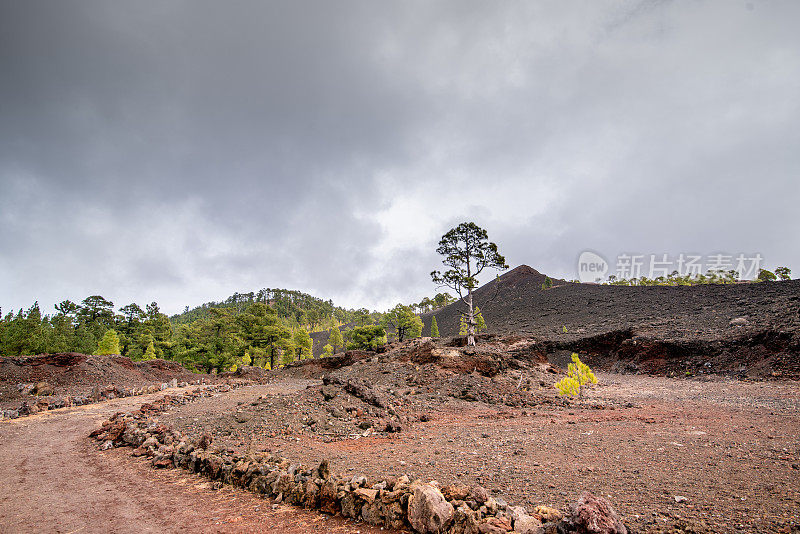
x=595 y=515
x=524 y=523
x=428 y=510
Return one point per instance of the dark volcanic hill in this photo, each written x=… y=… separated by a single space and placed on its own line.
x=735 y=324
x=496 y=300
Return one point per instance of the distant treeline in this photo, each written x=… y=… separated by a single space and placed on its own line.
x=295 y=308
x=266 y=328
x=711 y=277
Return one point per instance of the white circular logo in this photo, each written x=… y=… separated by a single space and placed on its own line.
x=592 y=267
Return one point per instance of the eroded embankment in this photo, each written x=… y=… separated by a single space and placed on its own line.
x=761 y=354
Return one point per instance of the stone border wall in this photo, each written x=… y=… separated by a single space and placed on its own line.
x=396 y=503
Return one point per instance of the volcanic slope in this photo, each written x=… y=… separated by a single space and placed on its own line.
x=745 y=329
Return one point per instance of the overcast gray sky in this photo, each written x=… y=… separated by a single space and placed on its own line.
x=180 y=151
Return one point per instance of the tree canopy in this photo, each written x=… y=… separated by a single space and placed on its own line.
x=404 y=322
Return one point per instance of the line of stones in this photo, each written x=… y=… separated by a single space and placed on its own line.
x=395 y=503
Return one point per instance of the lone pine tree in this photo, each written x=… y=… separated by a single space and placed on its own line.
x=467 y=251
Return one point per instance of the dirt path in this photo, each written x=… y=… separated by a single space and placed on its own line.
x=55 y=480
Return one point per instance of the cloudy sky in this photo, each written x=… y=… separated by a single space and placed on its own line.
x=180 y=151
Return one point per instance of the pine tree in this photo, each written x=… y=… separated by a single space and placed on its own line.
x=327 y=350
x=480 y=324
x=335 y=339
x=150 y=352
x=434 y=327
x=404 y=322
x=109 y=344
x=467 y=251
x=303 y=344
x=578 y=375
x=288 y=350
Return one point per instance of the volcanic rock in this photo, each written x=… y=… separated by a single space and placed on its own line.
x=429 y=511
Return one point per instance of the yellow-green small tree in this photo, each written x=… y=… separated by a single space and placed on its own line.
x=302 y=343
x=241 y=362
x=335 y=339
x=578 y=375
x=109 y=344
x=434 y=327
x=327 y=350
x=288 y=351
x=150 y=352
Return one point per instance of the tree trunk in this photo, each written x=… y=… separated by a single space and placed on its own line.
x=470 y=321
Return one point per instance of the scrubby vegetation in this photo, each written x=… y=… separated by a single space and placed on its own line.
x=367 y=337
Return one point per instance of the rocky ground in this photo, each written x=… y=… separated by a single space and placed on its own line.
x=707 y=454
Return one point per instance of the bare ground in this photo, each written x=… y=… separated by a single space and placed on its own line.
x=730 y=448
x=55 y=480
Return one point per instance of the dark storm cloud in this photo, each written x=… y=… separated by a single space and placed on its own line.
x=179 y=151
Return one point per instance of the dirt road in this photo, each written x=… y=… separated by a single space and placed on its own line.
x=55 y=480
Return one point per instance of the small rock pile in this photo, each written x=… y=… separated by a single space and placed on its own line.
x=493 y=373
x=396 y=502
x=98 y=394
